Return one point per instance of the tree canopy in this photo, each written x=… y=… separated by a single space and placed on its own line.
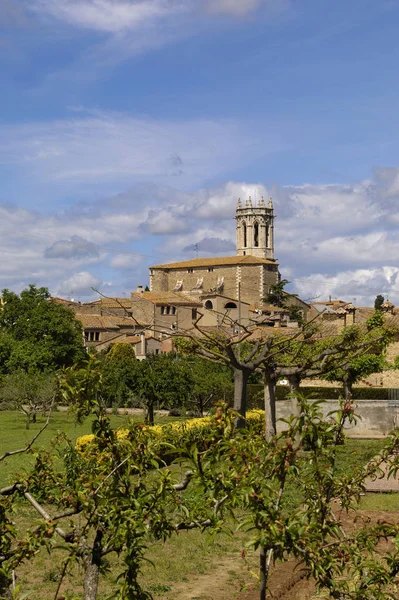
x=36 y=333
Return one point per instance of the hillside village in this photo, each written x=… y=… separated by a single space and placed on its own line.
x=220 y=293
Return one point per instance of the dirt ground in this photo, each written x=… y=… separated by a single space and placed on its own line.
x=287 y=581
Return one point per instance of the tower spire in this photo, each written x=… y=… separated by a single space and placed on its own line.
x=255 y=229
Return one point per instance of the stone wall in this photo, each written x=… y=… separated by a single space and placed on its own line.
x=255 y=280
x=377 y=417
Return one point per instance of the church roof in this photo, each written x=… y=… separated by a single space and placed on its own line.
x=216 y=262
x=167 y=298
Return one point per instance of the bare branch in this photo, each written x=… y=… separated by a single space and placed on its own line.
x=33 y=440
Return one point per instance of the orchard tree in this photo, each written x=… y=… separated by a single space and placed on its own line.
x=29 y=393
x=36 y=333
x=211 y=383
x=119 y=375
x=163 y=381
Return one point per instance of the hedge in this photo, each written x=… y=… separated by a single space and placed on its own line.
x=255 y=393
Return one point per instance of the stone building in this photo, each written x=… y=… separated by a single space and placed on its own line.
x=247 y=276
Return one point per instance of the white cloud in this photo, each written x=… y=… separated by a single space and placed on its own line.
x=236 y=8
x=126 y=260
x=360 y=286
x=79 y=284
x=330 y=239
x=122 y=15
x=112 y=147
x=108 y=15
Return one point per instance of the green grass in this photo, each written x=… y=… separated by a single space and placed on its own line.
x=14 y=435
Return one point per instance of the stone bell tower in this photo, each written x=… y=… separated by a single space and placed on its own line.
x=255 y=229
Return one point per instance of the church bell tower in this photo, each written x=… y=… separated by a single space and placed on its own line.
x=255 y=229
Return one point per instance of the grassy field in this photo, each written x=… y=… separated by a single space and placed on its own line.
x=14 y=435
x=177 y=561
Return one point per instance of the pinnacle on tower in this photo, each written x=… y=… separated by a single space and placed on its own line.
x=262 y=202
x=248 y=203
x=239 y=205
x=270 y=203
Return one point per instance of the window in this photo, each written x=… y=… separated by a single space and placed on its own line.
x=190 y=270
x=92 y=336
x=244 y=228
x=256 y=235
x=194 y=314
x=210 y=269
x=230 y=305
x=208 y=305
x=173 y=310
x=267 y=236
x=163 y=310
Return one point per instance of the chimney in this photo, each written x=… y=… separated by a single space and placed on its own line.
x=139 y=289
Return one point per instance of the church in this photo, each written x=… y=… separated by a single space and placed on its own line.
x=247 y=276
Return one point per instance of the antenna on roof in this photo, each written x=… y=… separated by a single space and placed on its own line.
x=196 y=247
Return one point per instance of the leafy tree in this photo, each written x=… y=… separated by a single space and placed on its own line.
x=162 y=381
x=119 y=375
x=210 y=383
x=37 y=333
x=277 y=294
x=29 y=392
x=378 y=302
x=364 y=364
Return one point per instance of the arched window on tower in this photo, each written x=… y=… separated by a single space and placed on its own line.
x=256 y=235
x=267 y=236
x=244 y=229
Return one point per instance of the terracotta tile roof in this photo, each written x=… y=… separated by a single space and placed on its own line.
x=73 y=302
x=116 y=302
x=104 y=322
x=216 y=262
x=267 y=308
x=167 y=298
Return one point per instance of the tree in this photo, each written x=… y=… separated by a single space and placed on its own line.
x=378 y=302
x=277 y=294
x=29 y=392
x=211 y=382
x=119 y=375
x=37 y=333
x=162 y=381
x=371 y=361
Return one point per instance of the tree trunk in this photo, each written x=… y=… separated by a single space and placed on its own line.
x=5 y=591
x=27 y=421
x=34 y=416
x=294 y=381
x=262 y=573
x=240 y=394
x=149 y=415
x=347 y=384
x=270 y=408
x=92 y=564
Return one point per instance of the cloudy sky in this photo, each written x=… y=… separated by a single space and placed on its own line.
x=129 y=128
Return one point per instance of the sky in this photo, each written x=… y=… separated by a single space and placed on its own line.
x=129 y=129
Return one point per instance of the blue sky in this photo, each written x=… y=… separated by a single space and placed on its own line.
x=129 y=128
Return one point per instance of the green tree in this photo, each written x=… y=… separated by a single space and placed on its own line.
x=37 y=333
x=277 y=294
x=211 y=382
x=119 y=375
x=29 y=393
x=163 y=381
x=378 y=302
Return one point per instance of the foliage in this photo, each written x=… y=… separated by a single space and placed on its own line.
x=119 y=375
x=378 y=302
x=210 y=382
x=162 y=381
x=276 y=295
x=36 y=333
x=29 y=392
x=80 y=386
